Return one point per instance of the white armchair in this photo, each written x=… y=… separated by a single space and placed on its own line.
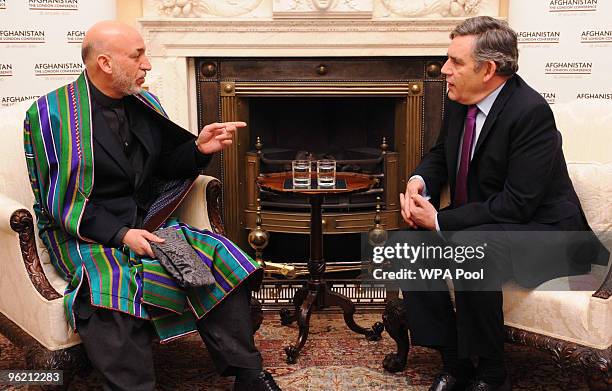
x=575 y=325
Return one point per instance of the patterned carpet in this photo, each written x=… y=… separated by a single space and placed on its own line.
x=333 y=359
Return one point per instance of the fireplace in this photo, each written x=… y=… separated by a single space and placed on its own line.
x=373 y=115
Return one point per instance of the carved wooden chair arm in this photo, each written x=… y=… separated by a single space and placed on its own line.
x=201 y=207
x=214 y=199
x=16 y=218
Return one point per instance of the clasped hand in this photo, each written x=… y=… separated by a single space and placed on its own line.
x=415 y=209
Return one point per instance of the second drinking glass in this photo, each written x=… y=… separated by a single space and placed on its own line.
x=326 y=173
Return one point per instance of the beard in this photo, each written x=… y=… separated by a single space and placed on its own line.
x=123 y=82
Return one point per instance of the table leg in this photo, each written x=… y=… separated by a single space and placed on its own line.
x=287 y=316
x=303 y=318
x=318 y=294
x=316 y=263
x=348 y=309
x=314 y=297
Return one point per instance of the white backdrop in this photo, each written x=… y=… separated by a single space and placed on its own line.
x=40 y=44
x=565 y=47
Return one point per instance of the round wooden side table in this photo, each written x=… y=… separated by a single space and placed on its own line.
x=316 y=293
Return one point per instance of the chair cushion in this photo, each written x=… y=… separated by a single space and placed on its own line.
x=593 y=184
x=554 y=310
x=42 y=319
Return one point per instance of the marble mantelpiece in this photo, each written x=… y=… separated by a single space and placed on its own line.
x=177 y=31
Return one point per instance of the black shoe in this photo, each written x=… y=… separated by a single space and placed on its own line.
x=479 y=385
x=444 y=381
x=263 y=382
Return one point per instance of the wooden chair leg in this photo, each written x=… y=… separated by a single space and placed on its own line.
x=599 y=380
x=71 y=361
x=395 y=321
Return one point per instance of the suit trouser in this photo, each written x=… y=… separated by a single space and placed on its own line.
x=475 y=326
x=120 y=345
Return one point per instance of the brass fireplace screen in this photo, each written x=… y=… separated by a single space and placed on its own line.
x=373 y=115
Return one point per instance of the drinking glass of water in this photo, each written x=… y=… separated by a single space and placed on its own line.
x=301 y=173
x=326 y=173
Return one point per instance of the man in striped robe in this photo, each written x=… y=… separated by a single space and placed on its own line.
x=104 y=126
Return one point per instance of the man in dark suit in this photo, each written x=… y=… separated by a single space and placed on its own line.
x=501 y=152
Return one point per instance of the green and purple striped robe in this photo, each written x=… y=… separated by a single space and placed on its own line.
x=59 y=153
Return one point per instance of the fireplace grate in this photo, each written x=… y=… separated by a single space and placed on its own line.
x=276 y=294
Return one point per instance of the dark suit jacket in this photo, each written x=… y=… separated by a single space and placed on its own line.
x=517 y=176
x=121 y=194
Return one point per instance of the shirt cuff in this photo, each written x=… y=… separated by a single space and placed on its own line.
x=201 y=159
x=438 y=231
x=424 y=193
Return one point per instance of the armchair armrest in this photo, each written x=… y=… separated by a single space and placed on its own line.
x=7 y=207
x=29 y=303
x=201 y=208
x=16 y=218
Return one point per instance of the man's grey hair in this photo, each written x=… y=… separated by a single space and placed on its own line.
x=90 y=49
x=86 y=50
x=495 y=41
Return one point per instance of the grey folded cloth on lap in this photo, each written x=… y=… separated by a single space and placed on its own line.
x=180 y=259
